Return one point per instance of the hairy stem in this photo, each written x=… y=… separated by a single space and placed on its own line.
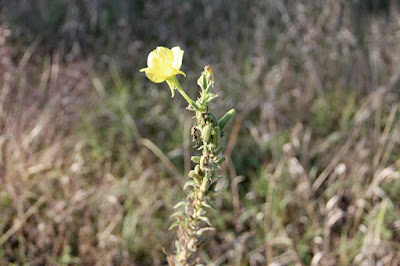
x=192 y=222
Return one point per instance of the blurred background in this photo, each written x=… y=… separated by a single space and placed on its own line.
x=93 y=155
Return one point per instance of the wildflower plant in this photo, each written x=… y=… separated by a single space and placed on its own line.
x=191 y=215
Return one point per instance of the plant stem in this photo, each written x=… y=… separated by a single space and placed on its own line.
x=187 y=98
x=192 y=222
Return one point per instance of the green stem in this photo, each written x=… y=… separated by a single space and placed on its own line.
x=187 y=98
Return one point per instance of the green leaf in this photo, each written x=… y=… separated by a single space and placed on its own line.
x=213 y=118
x=189 y=183
x=211 y=97
x=205 y=219
x=226 y=118
x=221 y=160
x=209 y=205
x=174 y=224
x=180 y=204
x=218 y=150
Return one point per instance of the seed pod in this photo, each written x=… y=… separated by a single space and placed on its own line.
x=202 y=162
x=226 y=118
x=206 y=134
x=195 y=159
x=205 y=185
x=216 y=139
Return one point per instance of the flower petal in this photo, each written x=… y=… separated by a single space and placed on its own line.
x=161 y=57
x=178 y=56
x=154 y=75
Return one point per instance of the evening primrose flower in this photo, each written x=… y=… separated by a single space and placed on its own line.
x=163 y=65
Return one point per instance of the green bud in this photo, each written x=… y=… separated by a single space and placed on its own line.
x=206 y=134
x=202 y=82
x=206 y=78
x=226 y=118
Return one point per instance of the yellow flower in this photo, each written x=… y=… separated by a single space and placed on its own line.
x=164 y=64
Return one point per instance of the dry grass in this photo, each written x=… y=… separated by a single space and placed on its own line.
x=92 y=157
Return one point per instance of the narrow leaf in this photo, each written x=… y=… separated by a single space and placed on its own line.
x=189 y=183
x=179 y=204
x=174 y=224
x=205 y=229
x=205 y=219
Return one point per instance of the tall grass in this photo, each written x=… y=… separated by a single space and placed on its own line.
x=313 y=157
